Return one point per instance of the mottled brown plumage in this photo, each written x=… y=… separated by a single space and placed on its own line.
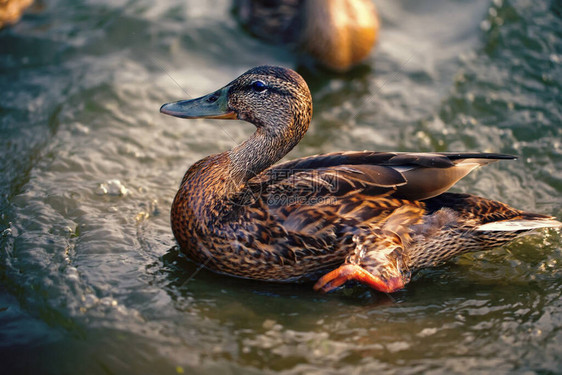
x=374 y=217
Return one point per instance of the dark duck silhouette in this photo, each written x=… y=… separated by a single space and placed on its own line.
x=373 y=217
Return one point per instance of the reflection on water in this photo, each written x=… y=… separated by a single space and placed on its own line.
x=90 y=278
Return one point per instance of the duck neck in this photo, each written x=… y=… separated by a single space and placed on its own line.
x=260 y=151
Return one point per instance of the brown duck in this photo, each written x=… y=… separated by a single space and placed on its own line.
x=336 y=33
x=373 y=217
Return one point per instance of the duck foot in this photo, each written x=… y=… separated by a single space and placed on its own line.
x=341 y=275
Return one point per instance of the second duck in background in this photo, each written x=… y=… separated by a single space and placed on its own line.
x=338 y=34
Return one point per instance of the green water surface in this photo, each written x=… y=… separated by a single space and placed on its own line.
x=90 y=279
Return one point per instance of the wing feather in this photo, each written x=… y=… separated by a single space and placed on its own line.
x=411 y=176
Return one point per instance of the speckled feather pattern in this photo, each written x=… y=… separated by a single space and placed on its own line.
x=238 y=215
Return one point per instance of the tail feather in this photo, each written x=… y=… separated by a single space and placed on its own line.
x=460 y=223
x=519 y=225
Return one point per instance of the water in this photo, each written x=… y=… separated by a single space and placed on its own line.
x=90 y=281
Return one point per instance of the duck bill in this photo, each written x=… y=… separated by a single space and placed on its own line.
x=214 y=106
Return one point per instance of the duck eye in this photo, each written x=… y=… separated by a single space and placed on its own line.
x=214 y=97
x=259 y=86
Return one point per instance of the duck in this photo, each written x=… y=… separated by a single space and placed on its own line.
x=338 y=34
x=12 y=10
x=336 y=219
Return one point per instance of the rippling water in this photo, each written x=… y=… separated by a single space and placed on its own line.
x=90 y=280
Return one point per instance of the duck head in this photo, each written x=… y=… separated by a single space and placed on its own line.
x=276 y=100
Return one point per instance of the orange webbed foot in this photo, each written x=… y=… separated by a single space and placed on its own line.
x=341 y=275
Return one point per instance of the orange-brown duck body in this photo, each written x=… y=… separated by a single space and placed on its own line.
x=12 y=10
x=373 y=217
